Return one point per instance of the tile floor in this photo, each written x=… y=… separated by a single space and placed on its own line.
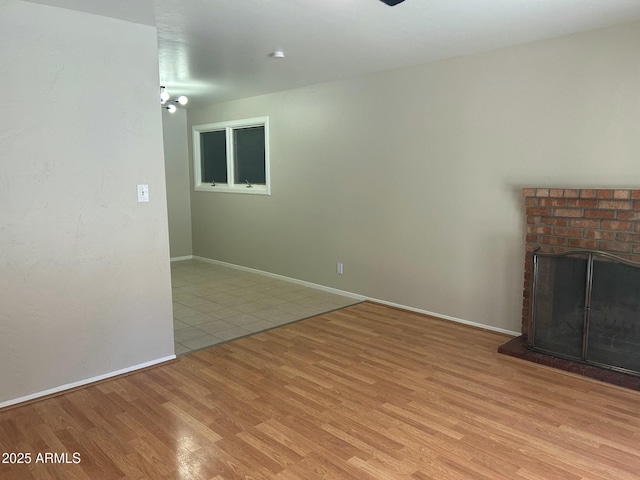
x=214 y=304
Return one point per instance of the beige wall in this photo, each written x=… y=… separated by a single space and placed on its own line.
x=176 y=164
x=84 y=269
x=412 y=178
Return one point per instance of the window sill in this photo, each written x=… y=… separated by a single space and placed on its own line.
x=242 y=189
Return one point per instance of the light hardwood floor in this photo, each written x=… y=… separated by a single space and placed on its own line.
x=364 y=392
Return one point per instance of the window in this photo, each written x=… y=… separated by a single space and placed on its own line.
x=232 y=156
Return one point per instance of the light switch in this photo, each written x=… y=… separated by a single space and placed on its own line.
x=143 y=193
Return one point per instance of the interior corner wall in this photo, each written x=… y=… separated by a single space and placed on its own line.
x=176 y=163
x=412 y=178
x=85 y=287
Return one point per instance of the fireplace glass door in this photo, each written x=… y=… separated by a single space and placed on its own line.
x=586 y=307
x=559 y=303
x=614 y=326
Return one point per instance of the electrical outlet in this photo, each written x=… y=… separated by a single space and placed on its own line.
x=339 y=269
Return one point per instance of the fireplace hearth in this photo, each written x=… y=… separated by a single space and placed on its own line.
x=518 y=347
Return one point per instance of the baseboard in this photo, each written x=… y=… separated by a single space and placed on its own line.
x=179 y=259
x=358 y=296
x=283 y=278
x=447 y=317
x=70 y=386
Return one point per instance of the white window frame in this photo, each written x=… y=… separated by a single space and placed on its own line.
x=230 y=186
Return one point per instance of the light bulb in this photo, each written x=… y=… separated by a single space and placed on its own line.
x=164 y=95
x=182 y=100
x=171 y=108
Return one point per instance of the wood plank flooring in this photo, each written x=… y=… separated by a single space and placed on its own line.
x=367 y=392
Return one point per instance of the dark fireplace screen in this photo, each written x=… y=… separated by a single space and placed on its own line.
x=586 y=307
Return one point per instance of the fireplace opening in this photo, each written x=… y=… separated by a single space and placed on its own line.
x=586 y=308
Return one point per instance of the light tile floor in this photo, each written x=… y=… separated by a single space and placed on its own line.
x=214 y=304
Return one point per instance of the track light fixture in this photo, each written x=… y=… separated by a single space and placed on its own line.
x=165 y=97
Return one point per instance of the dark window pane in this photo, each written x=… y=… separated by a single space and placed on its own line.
x=213 y=155
x=249 y=155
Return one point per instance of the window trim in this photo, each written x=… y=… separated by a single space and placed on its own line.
x=228 y=128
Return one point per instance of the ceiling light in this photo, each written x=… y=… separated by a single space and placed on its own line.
x=278 y=54
x=164 y=95
x=164 y=98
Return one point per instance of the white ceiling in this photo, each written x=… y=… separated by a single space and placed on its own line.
x=218 y=50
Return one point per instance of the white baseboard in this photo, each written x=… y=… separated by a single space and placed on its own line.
x=447 y=317
x=359 y=297
x=87 y=381
x=283 y=278
x=179 y=259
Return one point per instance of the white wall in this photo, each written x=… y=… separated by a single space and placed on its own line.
x=84 y=269
x=413 y=177
x=176 y=161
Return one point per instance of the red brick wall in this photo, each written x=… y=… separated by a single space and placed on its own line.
x=561 y=219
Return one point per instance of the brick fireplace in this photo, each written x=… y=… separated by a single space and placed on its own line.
x=568 y=219
x=562 y=219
